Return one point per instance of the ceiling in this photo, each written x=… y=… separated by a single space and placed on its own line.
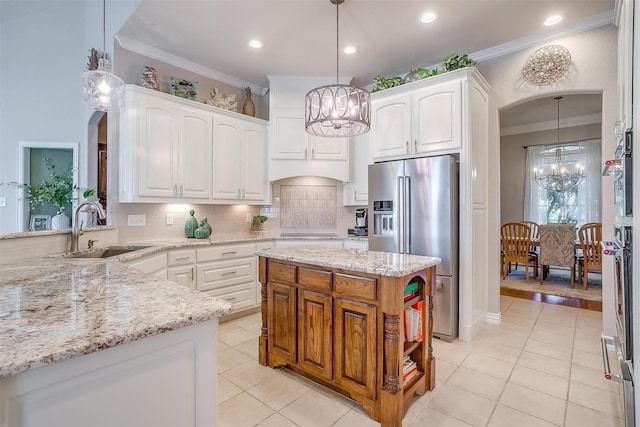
x=299 y=36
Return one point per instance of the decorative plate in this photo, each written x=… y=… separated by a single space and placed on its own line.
x=183 y=88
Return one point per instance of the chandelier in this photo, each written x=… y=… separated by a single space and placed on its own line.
x=337 y=110
x=560 y=177
x=101 y=89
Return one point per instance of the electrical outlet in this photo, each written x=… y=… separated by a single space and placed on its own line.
x=169 y=219
x=3 y=202
x=136 y=220
x=249 y=217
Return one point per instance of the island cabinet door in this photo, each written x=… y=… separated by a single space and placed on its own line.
x=314 y=333
x=355 y=347
x=281 y=314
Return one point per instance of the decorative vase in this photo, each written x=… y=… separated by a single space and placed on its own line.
x=191 y=225
x=248 y=107
x=202 y=232
x=60 y=221
x=204 y=223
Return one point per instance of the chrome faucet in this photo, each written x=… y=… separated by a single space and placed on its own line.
x=76 y=230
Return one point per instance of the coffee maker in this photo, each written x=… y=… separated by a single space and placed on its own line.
x=361 y=223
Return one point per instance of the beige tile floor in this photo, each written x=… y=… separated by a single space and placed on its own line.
x=541 y=367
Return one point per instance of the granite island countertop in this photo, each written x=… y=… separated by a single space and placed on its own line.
x=373 y=262
x=54 y=309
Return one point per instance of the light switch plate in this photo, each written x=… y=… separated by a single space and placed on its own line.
x=136 y=220
x=169 y=219
x=248 y=218
x=3 y=202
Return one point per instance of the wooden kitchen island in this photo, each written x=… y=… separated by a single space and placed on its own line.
x=336 y=316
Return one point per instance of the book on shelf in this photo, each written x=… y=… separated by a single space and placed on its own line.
x=413 y=322
x=410 y=295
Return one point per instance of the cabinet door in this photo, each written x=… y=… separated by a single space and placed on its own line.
x=314 y=333
x=281 y=312
x=226 y=158
x=289 y=140
x=328 y=148
x=437 y=118
x=196 y=136
x=355 y=346
x=182 y=275
x=157 y=148
x=391 y=126
x=253 y=168
x=356 y=192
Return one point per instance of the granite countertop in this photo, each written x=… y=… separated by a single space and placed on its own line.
x=381 y=263
x=59 y=308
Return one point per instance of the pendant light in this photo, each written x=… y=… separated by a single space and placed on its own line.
x=337 y=110
x=559 y=178
x=101 y=89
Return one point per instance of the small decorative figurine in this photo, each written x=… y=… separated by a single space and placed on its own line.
x=202 y=232
x=92 y=65
x=227 y=102
x=149 y=78
x=248 y=107
x=206 y=225
x=191 y=225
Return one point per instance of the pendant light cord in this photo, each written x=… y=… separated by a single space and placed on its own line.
x=337 y=42
x=104 y=29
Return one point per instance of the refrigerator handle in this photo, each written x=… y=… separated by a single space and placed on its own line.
x=407 y=214
x=400 y=215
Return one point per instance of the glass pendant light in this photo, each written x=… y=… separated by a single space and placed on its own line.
x=101 y=89
x=337 y=110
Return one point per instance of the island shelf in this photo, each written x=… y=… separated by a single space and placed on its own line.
x=335 y=316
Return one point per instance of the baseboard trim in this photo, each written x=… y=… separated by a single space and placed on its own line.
x=494 y=318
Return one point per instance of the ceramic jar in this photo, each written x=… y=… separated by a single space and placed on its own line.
x=191 y=225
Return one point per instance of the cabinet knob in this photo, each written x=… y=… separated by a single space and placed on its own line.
x=175 y=190
x=305 y=154
x=415 y=145
x=181 y=191
x=407 y=144
x=313 y=153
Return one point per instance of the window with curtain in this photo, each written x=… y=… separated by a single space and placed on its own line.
x=579 y=205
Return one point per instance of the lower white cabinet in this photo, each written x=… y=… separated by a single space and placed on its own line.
x=181 y=267
x=229 y=272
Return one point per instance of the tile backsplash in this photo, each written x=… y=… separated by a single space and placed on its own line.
x=308 y=206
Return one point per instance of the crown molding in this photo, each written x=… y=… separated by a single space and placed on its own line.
x=160 y=55
x=588 y=119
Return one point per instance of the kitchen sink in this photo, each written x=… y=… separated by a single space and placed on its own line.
x=108 y=252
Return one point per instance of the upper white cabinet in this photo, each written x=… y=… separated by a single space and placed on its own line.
x=293 y=151
x=356 y=191
x=625 y=22
x=239 y=161
x=165 y=149
x=417 y=118
x=166 y=152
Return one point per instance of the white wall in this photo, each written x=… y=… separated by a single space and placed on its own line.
x=593 y=70
x=44 y=47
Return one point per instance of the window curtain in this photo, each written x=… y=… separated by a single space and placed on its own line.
x=586 y=205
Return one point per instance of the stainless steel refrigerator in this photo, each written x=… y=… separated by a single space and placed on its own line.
x=413 y=209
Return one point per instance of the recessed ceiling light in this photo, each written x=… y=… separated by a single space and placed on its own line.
x=428 y=17
x=553 y=19
x=256 y=44
x=350 y=49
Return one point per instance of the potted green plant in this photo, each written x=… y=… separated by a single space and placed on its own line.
x=57 y=191
x=257 y=223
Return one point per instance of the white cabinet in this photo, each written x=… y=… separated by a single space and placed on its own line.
x=414 y=119
x=181 y=267
x=165 y=149
x=293 y=152
x=239 y=161
x=625 y=64
x=228 y=272
x=356 y=191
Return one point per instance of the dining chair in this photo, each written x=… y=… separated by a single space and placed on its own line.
x=590 y=235
x=516 y=239
x=557 y=248
x=535 y=235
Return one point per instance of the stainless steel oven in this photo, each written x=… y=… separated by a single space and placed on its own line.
x=623 y=183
